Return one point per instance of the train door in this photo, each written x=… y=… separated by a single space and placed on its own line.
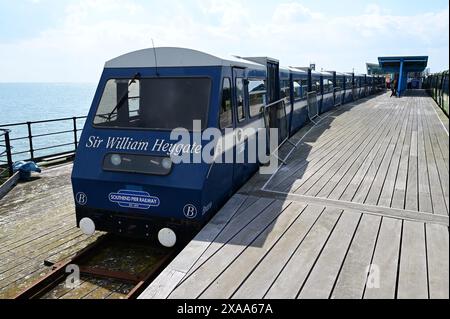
x=240 y=169
x=277 y=116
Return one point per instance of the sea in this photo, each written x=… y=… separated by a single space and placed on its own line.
x=28 y=102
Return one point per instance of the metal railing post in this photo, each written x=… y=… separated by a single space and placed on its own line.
x=8 y=153
x=30 y=141
x=75 y=137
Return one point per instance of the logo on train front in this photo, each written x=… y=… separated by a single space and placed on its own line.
x=81 y=198
x=134 y=199
x=190 y=211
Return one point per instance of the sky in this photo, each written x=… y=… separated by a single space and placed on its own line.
x=70 y=40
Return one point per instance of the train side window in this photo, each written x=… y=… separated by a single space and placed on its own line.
x=256 y=96
x=240 y=99
x=316 y=86
x=226 y=112
x=325 y=85
x=349 y=84
x=303 y=88
x=297 y=89
x=285 y=90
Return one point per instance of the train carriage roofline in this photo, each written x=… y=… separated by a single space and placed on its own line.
x=298 y=71
x=326 y=74
x=177 y=57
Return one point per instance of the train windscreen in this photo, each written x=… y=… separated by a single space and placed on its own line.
x=154 y=103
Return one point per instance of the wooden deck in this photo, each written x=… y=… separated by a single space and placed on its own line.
x=37 y=224
x=359 y=211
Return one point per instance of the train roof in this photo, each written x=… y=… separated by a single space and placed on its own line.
x=326 y=73
x=260 y=59
x=176 y=57
x=297 y=70
x=306 y=68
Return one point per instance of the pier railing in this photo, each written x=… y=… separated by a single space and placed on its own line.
x=6 y=168
x=39 y=140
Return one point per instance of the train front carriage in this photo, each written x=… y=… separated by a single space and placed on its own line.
x=124 y=178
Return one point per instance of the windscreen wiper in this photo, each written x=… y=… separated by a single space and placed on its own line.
x=123 y=97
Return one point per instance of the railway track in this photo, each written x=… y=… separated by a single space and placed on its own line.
x=109 y=268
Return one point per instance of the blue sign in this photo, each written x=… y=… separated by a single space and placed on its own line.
x=134 y=199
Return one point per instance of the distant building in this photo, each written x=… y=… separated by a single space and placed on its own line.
x=374 y=69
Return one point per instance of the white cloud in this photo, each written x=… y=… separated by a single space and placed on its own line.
x=93 y=31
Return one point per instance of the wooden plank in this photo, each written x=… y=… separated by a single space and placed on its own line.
x=378 y=183
x=385 y=261
x=348 y=192
x=212 y=231
x=351 y=164
x=365 y=208
x=172 y=275
x=387 y=192
x=314 y=143
x=311 y=176
x=438 y=261
x=412 y=191
x=438 y=179
x=360 y=195
x=413 y=282
x=241 y=219
x=199 y=280
x=286 y=177
x=321 y=280
x=352 y=278
x=340 y=135
x=423 y=181
x=164 y=284
x=295 y=217
x=289 y=272
x=399 y=196
x=335 y=190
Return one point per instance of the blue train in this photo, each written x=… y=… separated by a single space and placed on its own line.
x=124 y=180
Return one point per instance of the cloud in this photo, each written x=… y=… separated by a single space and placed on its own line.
x=93 y=31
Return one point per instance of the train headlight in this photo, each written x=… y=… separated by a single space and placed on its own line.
x=166 y=163
x=87 y=226
x=167 y=237
x=116 y=160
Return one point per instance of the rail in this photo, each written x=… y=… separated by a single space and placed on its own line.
x=38 y=140
x=84 y=259
x=6 y=167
